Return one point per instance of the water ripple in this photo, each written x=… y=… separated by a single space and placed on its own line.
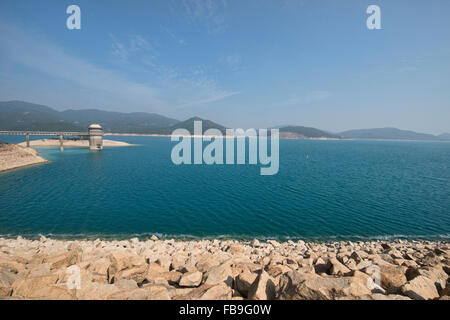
x=344 y=190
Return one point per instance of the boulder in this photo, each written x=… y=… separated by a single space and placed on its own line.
x=244 y=281
x=155 y=269
x=395 y=254
x=206 y=292
x=35 y=271
x=306 y=269
x=126 y=284
x=420 y=288
x=220 y=274
x=337 y=268
x=206 y=262
x=277 y=270
x=172 y=277
x=383 y=258
x=183 y=291
x=436 y=274
x=322 y=266
x=189 y=265
x=351 y=264
x=235 y=248
x=241 y=265
x=363 y=265
x=446 y=290
x=263 y=288
x=11 y=265
x=100 y=266
x=379 y=296
x=65 y=259
x=255 y=243
x=137 y=274
x=54 y=292
x=356 y=256
x=319 y=288
x=137 y=261
x=368 y=281
x=28 y=287
x=134 y=294
x=220 y=291
x=431 y=259
x=409 y=264
x=274 y=243
x=192 y=293
x=446 y=268
x=156 y=280
x=96 y=291
x=276 y=258
x=178 y=262
x=157 y=292
x=7 y=278
x=165 y=261
x=191 y=279
x=392 y=276
x=289 y=281
x=440 y=251
x=120 y=260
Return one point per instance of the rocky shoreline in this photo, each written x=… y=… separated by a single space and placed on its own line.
x=72 y=143
x=13 y=156
x=223 y=269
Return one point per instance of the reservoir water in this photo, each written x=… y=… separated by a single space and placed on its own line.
x=323 y=190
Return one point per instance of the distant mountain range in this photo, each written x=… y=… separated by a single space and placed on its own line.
x=444 y=136
x=299 y=132
x=189 y=125
x=391 y=134
x=20 y=115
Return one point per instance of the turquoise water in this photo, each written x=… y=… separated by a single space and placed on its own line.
x=324 y=190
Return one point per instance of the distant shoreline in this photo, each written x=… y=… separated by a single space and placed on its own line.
x=281 y=137
x=209 y=136
x=72 y=143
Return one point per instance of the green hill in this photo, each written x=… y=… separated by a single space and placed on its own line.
x=388 y=134
x=300 y=132
x=19 y=115
x=189 y=125
x=444 y=136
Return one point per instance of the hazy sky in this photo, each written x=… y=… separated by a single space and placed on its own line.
x=240 y=63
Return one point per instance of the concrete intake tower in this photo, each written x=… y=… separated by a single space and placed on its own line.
x=95 y=137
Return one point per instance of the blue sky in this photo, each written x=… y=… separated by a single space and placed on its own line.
x=240 y=63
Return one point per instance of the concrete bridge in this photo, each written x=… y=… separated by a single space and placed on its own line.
x=94 y=134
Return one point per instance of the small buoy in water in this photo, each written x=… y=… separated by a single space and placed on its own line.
x=307 y=156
